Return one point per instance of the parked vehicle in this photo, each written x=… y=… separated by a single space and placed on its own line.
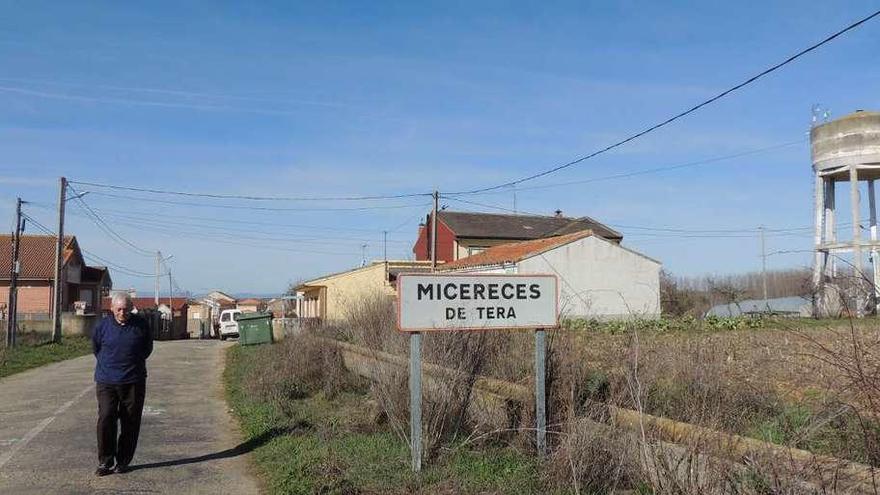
x=229 y=323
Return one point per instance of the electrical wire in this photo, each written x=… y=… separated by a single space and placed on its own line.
x=255 y=208
x=138 y=222
x=679 y=115
x=107 y=229
x=667 y=168
x=135 y=214
x=675 y=232
x=125 y=270
x=249 y=197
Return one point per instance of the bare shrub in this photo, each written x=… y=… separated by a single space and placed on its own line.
x=448 y=396
x=688 y=383
x=370 y=323
x=296 y=368
x=853 y=356
x=446 y=408
x=593 y=458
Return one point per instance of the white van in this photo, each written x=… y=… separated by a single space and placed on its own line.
x=229 y=323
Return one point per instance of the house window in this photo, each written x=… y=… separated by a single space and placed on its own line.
x=87 y=295
x=472 y=250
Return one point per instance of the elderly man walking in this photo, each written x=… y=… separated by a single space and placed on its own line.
x=121 y=343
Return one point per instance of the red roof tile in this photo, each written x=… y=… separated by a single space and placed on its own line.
x=513 y=252
x=37 y=255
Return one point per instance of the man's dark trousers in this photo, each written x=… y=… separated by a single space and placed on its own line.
x=123 y=403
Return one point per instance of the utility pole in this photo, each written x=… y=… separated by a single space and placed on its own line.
x=58 y=292
x=158 y=263
x=764 y=268
x=385 y=244
x=12 y=307
x=415 y=363
x=170 y=294
x=434 y=230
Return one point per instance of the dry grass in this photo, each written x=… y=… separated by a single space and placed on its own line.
x=296 y=368
x=727 y=382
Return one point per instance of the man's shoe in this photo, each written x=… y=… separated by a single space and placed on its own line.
x=121 y=469
x=103 y=470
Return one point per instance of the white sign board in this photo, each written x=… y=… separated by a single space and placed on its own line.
x=476 y=302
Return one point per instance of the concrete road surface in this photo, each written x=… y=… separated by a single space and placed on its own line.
x=188 y=442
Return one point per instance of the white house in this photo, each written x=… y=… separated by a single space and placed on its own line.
x=597 y=278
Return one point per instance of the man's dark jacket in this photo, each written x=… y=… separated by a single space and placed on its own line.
x=121 y=350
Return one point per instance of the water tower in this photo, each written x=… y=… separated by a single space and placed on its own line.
x=846 y=150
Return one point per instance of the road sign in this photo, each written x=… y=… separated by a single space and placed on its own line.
x=445 y=302
x=475 y=302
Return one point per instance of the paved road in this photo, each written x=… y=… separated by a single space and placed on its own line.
x=188 y=441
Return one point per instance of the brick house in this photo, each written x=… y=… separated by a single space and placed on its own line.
x=79 y=282
x=462 y=234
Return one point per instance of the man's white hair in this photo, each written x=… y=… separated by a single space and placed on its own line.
x=120 y=298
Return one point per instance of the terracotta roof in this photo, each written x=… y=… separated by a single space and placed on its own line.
x=177 y=303
x=513 y=252
x=37 y=255
x=520 y=227
x=250 y=301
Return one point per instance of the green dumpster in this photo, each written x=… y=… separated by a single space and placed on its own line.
x=254 y=328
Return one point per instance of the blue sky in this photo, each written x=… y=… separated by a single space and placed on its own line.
x=352 y=99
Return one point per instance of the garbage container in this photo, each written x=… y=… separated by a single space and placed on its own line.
x=254 y=328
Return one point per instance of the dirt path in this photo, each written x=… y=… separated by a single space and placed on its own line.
x=188 y=441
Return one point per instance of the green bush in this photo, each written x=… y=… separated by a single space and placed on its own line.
x=667 y=325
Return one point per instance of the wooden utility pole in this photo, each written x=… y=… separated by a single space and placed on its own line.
x=385 y=244
x=158 y=266
x=764 y=268
x=12 y=307
x=58 y=293
x=434 y=231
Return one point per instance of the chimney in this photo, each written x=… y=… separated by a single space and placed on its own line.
x=558 y=213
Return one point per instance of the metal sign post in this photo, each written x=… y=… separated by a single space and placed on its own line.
x=415 y=399
x=456 y=302
x=540 y=392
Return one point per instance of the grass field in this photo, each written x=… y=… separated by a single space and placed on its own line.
x=787 y=381
x=317 y=444
x=812 y=385
x=35 y=349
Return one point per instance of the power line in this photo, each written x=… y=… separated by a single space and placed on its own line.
x=116 y=266
x=107 y=229
x=138 y=215
x=626 y=175
x=249 y=197
x=254 y=208
x=405 y=222
x=494 y=207
x=680 y=114
x=152 y=221
x=143 y=223
x=672 y=231
x=252 y=245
